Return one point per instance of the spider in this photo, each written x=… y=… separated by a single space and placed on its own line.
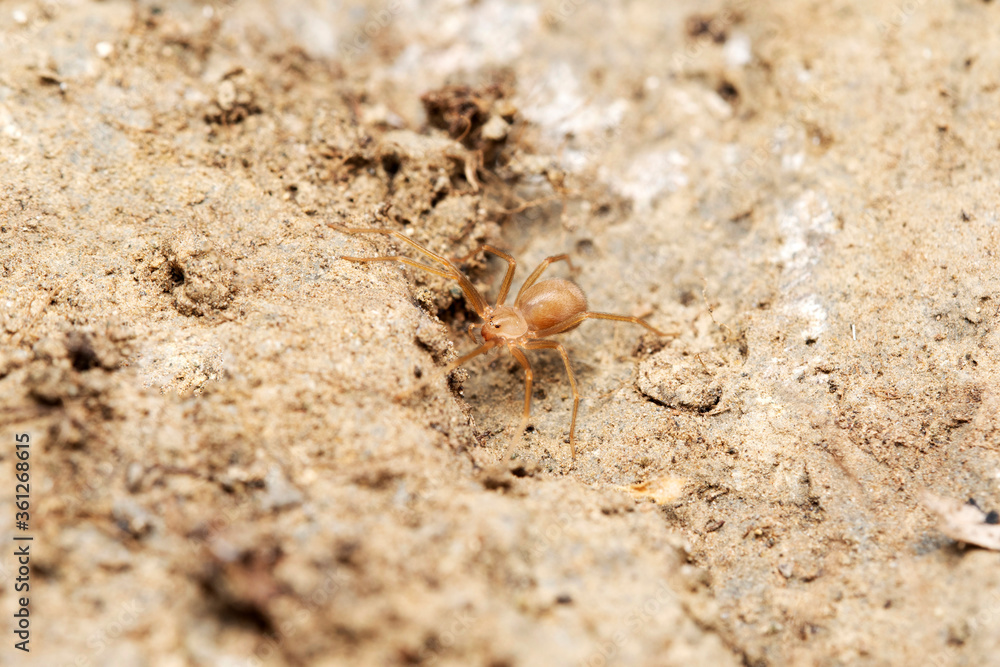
x=540 y=310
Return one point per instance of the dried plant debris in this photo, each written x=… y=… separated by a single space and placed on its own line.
x=661 y=490
x=234 y=100
x=478 y=117
x=965 y=522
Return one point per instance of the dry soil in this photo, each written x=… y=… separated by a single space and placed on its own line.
x=242 y=448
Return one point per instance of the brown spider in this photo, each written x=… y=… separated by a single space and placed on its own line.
x=541 y=309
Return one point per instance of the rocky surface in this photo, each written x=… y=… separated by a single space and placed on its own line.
x=242 y=452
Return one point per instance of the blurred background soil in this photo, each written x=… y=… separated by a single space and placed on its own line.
x=222 y=473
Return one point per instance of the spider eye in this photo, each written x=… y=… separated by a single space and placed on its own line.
x=496 y=326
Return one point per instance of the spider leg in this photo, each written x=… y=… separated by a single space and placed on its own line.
x=576 y=319
x=553 y=345
x=485 y=347
x=528 y=379
x=533 y=278
x=399 y=258
x=476 y=299
x=511 y=266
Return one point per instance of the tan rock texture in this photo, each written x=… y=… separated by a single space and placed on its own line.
x=243 y=451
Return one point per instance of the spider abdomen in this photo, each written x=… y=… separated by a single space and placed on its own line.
x=550 y=302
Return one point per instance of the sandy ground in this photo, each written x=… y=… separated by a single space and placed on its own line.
x=222 y=470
